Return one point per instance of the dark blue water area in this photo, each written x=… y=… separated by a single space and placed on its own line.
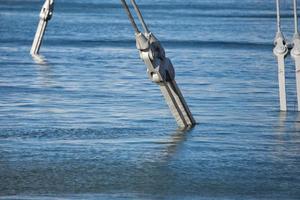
x=84 y=121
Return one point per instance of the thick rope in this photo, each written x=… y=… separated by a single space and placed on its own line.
x=139 y=14
x=278 y=16
x=295 y=17
x=136 y=30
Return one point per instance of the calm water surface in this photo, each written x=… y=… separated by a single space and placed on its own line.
x=88 y=124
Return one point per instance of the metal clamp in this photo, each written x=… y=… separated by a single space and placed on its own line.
x=47 y=10
x=281 y=47
x=160 y=69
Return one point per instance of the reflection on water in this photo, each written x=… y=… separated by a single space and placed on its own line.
x=39 y=59
x=297 y=122
x=63 y=160
x=45 y=75
x=177 y=139
x=282 y=122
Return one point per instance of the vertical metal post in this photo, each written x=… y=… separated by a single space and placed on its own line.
x=280 y=51
x=295 y=17
x=295 y=53
x=45 y=15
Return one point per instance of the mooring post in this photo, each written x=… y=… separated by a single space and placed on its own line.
x=160 y=70
x=45 y=15
x=295 y=53
x=280 y=51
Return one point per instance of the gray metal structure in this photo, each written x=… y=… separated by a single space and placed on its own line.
x=280 y=51
x=45 y=15
x=295 y=53
x=160 y=69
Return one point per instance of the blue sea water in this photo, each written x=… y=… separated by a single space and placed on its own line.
x=88 y=124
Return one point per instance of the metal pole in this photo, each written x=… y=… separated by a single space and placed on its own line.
x=177 y=104
x=45 y=15
x=295 y=53
x=280 y=51
x=39 y=35
x=281 y=83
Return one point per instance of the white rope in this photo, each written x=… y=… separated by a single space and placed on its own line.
x=139 y=14
x=278 y=16
x=136 y=30
x=295 y=16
